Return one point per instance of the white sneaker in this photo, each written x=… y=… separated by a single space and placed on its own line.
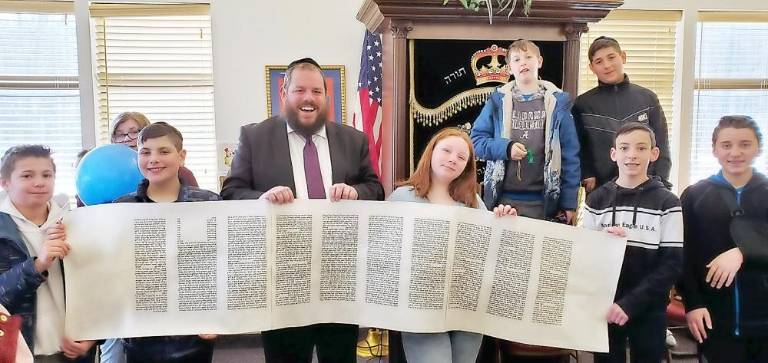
x=670 y=340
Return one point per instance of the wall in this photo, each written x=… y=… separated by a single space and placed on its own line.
x=247 y=35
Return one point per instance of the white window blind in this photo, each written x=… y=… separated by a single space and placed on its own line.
x=731 y=79
x=157 y=59
x=39 y=96
x=649 y=38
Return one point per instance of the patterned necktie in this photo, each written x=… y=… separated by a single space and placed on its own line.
x=315 y=188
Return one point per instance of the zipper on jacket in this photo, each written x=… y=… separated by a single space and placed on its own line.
x=736 y=299
x=737 y=308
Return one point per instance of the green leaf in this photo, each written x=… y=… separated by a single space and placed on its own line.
x=476 y=5
x=527 y=6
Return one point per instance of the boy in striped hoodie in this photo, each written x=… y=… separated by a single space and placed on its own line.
x=652 y=218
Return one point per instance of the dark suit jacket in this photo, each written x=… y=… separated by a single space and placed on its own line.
x=263 y=161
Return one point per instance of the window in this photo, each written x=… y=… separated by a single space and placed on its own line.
x=649 y=38
x=157 y=59
x=39 y=95
x=731 y=78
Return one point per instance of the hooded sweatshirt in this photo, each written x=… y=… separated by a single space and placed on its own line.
x=707 y=235
x=652 y=216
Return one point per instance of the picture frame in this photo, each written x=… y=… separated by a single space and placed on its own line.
x=336 y=95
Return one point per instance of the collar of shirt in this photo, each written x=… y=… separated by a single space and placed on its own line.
x=54 y=212
x=320 y=132
x=143 y=197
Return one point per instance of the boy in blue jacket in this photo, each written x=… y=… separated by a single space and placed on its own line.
x=526 y=134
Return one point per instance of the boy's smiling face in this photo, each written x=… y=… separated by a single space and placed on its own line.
x=31 y=182
x=608 y=65
x=633 y=152
x=524 y=65
x=735 y=150
x=159 y=161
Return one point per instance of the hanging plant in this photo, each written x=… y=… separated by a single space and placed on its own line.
x=490 y=5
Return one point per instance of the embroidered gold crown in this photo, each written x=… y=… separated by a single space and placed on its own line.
x=493 y=71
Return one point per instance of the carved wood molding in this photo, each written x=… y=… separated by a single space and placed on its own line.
x=370 y=15
x=400 y=28
x=373 y=12
x=573 y=31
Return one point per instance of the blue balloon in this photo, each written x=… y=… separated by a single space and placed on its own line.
x=106 y=173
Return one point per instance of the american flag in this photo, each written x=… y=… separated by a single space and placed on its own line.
x=367 y=116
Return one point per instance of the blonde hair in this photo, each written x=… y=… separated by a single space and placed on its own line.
x=523 y=45
x=139 y=117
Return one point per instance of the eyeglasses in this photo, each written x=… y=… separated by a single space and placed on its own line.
x=130 y=136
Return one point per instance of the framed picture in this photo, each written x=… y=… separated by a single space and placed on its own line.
x=335 y=83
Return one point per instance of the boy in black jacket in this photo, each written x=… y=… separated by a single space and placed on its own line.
x=652 y=217
x=599 y=112
x=714 y=280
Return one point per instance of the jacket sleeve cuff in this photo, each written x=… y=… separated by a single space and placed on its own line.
x=629 y=308
x=30 y=274
x=502 y=145
x=691 y=304
x=569 y=201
